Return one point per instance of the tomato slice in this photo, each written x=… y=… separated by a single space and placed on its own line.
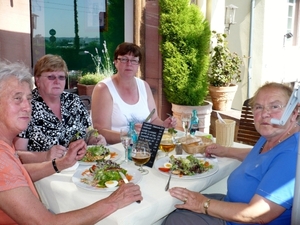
x=163 y=169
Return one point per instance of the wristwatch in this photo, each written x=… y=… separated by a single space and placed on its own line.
x=206 y=205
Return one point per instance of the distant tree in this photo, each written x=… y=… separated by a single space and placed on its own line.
x=76 y=29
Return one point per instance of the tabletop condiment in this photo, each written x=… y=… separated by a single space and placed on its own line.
x=194 y=122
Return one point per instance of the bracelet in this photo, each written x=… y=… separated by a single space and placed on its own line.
x=54 y=166
x=206 y=205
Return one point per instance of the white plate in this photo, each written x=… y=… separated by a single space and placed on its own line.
x=160 y=163
x=136 y=178
x=112 y=149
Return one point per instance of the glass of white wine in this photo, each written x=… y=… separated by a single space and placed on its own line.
x=140 y=155
x=186 y=120
x=126 y=141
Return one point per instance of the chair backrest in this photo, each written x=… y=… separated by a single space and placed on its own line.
x=86 y=101
x=247 y=133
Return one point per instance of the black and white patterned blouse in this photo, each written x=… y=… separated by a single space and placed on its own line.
x=46 y=130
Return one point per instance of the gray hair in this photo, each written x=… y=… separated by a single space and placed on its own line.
x=16 y=69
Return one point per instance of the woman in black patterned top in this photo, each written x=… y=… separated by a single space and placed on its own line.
x=56 y=115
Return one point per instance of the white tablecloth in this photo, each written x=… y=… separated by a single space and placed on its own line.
x=60 y=194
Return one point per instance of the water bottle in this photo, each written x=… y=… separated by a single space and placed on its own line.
x=134 y=137
x=194 y=122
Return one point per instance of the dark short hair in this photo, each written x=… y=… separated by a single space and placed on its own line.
x=125 y=48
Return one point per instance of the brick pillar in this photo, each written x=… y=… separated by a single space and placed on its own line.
x=153 y=61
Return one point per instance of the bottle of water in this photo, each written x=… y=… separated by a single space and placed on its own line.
x=134 y=137
x=194 y=122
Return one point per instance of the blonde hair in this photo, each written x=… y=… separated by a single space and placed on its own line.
x=273 y=85
x=50 y=63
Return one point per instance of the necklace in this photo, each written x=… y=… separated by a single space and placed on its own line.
x=286 y=136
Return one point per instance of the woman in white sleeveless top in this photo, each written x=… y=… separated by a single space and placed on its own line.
x=124 y=98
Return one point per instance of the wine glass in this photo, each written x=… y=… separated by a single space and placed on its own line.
x=186 y=119
x=126 y=141
x=167 y=143
x=141 y=154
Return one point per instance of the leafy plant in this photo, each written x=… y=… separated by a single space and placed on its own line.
x=104 y=67
x=185 y=52
x=224 y=65
x=91 y=79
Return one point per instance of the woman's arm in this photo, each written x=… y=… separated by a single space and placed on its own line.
x=229 y=152
x=168 y=122
x=76 y=151
x=21 y=205
x=259 y=210
x=56 y=151
x=102 y=107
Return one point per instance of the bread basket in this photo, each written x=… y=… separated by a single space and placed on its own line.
x=196 y=144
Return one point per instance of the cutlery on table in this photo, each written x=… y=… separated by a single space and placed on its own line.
x=150 y=115
x=126 y=181
x=168 y=184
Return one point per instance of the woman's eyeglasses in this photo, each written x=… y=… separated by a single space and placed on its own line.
x=272 y=108
x=60 y=77
x=132 y=61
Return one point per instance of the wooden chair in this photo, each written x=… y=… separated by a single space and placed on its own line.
x=86 y=101
x=247 y=133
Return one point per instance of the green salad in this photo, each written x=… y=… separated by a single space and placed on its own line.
x=95 y=152
x=189 y=166
x=105 y=170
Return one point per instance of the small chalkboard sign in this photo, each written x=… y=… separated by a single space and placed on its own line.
x=152 y=134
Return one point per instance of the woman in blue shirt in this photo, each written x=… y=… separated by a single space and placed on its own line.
x=261 y=189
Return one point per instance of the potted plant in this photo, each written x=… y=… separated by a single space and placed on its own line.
x=224 y=72
x=103 y=69
x=87 y=83
x=184 y=47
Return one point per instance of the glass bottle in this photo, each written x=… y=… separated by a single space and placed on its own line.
x=134 y=137
x=194 y=122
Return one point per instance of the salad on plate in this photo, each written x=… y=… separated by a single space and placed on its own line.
x=104 y=174
x=97 y=152
x=186 y=166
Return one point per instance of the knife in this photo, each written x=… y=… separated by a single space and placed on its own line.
x=126 y=181
x=150 y=115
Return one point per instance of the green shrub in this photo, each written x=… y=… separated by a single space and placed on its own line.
x=185 y=52
x=91 y=79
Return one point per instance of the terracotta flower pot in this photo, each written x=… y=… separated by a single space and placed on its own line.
x=85 y=89
x=222 y=97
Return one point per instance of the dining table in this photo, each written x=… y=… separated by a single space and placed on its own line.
x=59 y=193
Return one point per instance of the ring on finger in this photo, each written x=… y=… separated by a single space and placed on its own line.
x=184 y=200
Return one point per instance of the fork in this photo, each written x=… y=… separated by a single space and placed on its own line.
x=168 y=184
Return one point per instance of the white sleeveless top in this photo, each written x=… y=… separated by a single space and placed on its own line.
x=124 y=113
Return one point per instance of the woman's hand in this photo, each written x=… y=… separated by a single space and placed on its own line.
x=125 y=195
x=99 y=140
x=170 y=122
x=76 y=151
x=56 y=151
x=190 y=200
x=217 y=150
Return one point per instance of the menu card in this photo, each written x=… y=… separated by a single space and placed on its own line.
x=152 y=134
